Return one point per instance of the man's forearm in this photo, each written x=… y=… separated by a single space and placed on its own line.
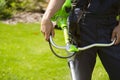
x=53 y=7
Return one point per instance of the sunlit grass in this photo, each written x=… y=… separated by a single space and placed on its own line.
x=25 y=55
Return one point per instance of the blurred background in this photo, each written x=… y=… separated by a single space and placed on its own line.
x=13 y=11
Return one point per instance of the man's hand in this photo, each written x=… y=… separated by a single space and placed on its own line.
x=46 y=25
x=116 y=34
x=47 y=28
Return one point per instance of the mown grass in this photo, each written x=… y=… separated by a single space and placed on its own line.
x=25 y=55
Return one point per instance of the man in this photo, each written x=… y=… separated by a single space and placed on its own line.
x=97 y=26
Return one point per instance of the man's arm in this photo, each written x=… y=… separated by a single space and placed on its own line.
x=53 y=6
x=46 y=24
x=116 y=30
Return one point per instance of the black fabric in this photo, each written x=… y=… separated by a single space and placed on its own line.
x=97 y=9
x=97 y=30
x=100 y=6
x=96 y=27
x=73 y=20
x=82 y=4
x=104 y=7
x=73 y=28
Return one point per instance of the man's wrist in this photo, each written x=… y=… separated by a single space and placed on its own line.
x=48 y=14
x=46 y=17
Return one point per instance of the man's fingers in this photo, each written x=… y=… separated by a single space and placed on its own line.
x=53 y=33
x=117 y=39
x=47 y=29
x=47 y=36
x=113 y=36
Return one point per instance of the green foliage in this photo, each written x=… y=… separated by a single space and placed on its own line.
x=2 y=4
x=5 y=11
x=10 y=7
x=18 y=4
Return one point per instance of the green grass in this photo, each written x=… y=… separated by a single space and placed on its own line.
x=25 y=55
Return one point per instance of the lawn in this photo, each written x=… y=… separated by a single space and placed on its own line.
x=25 y=55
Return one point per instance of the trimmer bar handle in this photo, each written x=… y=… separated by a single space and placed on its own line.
x=68 y=46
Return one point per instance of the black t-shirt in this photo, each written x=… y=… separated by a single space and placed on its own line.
x=102 y=6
